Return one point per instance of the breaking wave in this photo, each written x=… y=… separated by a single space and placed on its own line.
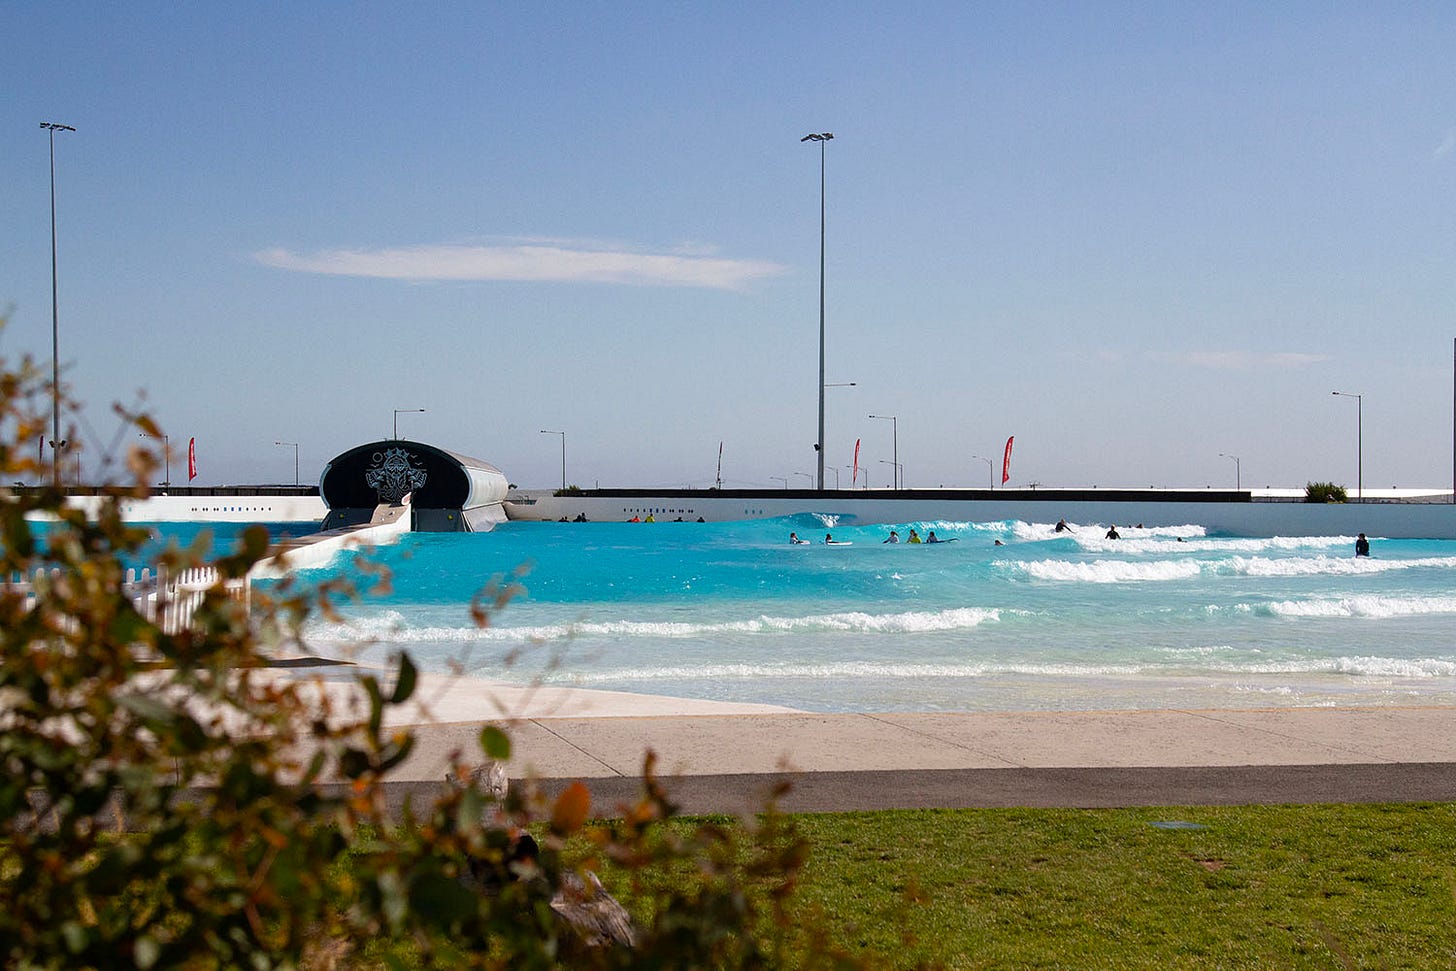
x=390 y=627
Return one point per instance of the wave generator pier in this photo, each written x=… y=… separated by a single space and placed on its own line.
x=449 y=492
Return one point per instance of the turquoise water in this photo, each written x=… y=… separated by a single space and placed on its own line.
x=729 y=611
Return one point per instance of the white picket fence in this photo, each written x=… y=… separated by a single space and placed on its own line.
x=168 y=601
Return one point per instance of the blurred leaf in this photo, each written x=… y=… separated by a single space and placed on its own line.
x=571 y=809
x=146 y=951
x=495 y=743
x=404 y=686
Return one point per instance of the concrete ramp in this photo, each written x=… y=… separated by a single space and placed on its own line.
x=388 y=523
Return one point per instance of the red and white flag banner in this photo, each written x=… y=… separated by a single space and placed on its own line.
x=1006 y=461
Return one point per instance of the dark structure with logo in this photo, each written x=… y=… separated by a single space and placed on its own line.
x=449 y=493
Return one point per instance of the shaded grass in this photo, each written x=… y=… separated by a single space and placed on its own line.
x=1259 y=887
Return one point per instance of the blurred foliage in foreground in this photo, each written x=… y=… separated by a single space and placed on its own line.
x=161 y=802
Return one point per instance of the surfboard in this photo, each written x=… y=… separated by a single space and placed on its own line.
x=840 y=542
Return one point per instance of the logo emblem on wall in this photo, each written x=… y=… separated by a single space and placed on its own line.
x=394 y=473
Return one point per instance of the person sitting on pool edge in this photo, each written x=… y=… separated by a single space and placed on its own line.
x=1362 y=545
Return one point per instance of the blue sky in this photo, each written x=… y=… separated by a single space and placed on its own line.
x=1135 y=236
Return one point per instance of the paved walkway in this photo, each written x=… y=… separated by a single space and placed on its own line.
x=725 y=758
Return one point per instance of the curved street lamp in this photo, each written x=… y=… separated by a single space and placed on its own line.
x=404 y=411
x=57 y=443
x=1238 y=469
x=821 y=138
x=1359 y=441
x=990 y=468
x=166 y=458
x=895 y=440
x=547 y=431
x=295 y=459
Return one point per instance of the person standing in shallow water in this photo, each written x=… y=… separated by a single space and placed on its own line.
x=1362 y=545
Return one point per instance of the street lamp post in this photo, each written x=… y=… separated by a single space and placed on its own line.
x=1359 y=441
x=547 y=431
x=781 y=478
x=990 y=468
x=821 y=138
x=895 y=439
x=1238 y=470
x=895 y=473
x=807 y=476
x=166 y=459
x=835 y=470
x=57 y=444
x=404 y=411
x=295 y=459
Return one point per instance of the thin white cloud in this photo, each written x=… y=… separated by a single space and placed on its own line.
x=1241 y=360
x=546 y=261
x=1447 y=144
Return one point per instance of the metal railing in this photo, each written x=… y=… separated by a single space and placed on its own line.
x=167 y=601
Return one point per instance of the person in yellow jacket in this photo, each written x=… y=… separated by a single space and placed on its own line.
x=914 y=537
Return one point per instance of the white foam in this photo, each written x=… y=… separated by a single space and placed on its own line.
x=1363 y=666
x=1371 y=607
x=1324 y=565
x=1108 y=571
x=388 y=628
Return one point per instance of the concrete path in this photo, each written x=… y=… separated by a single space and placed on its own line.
x=726 y=758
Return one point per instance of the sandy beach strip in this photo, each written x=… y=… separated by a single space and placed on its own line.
x=717 y=753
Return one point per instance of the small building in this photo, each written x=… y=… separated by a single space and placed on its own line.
x=449 y=492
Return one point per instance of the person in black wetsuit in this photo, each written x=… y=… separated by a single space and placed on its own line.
x=1362 y=545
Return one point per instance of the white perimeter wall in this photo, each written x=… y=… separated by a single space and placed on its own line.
x=213 y=509
x=1255 y=519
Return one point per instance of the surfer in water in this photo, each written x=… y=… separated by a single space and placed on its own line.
x=1062 y=527
x=914 y=537
x=894 y=537
x=794 y=539
x=1362 y=545
x=1112 y=533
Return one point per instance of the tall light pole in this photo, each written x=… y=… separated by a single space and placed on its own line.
x=295 y=459
x=546 y=431
x=895 y=430
x=781 y=478
x=821 y=138
x=166 y=458
x=404 y=411
x=1238 y=469
x=1359 y=441
x=56 y=442
x=807 y=476
x=895 y=475
x=990 y=468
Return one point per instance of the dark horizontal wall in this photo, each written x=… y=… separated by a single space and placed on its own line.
x=1003 y=495
x=176 y=490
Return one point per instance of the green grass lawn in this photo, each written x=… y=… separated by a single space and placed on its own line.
x=1258 y=887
